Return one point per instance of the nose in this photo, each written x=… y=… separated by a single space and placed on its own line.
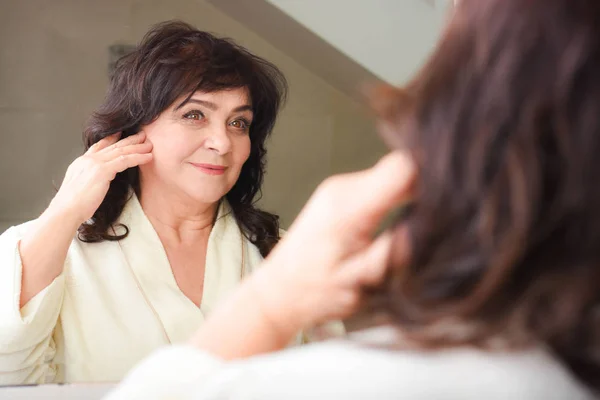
x=218 y=139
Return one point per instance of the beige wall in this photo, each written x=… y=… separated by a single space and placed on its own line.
x=53 y=73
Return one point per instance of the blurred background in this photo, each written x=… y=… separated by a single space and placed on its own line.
x=55 y=57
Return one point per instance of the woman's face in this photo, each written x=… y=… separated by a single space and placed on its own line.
x=199 y=148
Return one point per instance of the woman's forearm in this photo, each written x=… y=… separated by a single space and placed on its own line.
x=319 y=270
x=43 y=250
x=254 y=320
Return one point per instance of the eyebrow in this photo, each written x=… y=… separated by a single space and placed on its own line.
x=212 y=106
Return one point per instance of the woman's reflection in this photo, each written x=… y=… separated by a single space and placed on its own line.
x=154 y=223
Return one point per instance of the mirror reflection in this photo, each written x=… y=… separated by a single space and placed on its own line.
x=155 y=152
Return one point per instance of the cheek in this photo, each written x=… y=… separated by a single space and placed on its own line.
x=169 y=149
x=169 y=153
x=243 y=151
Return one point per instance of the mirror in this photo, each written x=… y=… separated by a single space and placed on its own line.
x=56 y=59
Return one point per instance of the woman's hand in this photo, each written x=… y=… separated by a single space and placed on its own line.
x=318 y=270
x=88 y=178
x=44 y=247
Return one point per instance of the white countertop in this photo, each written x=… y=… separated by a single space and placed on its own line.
x=55 y=392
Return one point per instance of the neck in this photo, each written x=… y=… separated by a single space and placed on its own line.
x=183 y=220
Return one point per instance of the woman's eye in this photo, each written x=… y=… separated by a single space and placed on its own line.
x=194 y=114
x=240 y=124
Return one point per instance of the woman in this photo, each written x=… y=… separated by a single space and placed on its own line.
x=154 y=223
x=490 y=283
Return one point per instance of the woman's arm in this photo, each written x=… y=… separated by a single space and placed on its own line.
x=44 y=247
x=43 y=250
x=318 y=270
x=32 y=259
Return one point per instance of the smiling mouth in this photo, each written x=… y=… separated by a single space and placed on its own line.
x=210 y=169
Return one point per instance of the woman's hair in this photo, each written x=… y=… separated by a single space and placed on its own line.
x=503 y=123
x=174 y=59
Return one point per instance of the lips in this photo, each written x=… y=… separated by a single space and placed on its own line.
x=210 y=169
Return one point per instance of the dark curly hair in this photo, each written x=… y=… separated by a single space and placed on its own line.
x=174 y=59
x=504 y=230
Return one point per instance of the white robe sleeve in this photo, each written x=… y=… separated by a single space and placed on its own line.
x=26 y=344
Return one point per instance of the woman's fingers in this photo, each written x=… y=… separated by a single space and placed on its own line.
x=379 y=190
x=114 y=141
x=130 y=140
x=368 y=267
x=104 y=143
x=112 y=153
x=122 y=162
x=337 y=225
x=353 y=205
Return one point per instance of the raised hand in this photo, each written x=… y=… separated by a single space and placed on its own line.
x=88 y=178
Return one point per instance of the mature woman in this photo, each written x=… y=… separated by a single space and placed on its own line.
x=154 y=223
x=491 y=280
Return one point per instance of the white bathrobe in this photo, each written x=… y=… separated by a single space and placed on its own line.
x=363 y=367
x=114 y=303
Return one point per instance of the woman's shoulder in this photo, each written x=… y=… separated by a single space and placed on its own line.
x=360 y=367
x=18 y=229
x=368 y=369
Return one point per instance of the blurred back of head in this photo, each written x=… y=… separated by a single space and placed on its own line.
x=504 y=124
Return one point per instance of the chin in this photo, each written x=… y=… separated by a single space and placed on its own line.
x=206 y=198
x=206 y=195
